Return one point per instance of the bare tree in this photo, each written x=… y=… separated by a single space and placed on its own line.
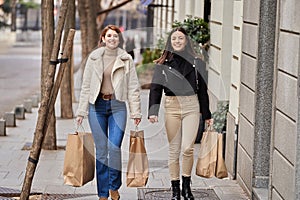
x=87 y=10
x=83 y=27
x=49 y=142
x=48 y=100
x=91 y=8
x=13 y=15
x=66 y=85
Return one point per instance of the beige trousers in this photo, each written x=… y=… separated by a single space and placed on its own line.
x=182 y=116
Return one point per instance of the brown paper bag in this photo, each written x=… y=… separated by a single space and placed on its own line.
x=221 y=170
x=138 y=167
x=79 y=163
x=210 y=158
x=207 y=157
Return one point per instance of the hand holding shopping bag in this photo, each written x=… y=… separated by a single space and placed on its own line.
x=138 y=167
x=79 y=163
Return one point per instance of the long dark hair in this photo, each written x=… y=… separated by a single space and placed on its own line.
x=168 y=51
x=114 y=28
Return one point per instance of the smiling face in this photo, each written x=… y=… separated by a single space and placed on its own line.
x=111 y=39
x=178 y=41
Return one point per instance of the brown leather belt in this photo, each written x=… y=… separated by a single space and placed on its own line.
x=107 y=97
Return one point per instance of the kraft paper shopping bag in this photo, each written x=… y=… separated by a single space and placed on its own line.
x=210 y=160
x=79 y=163
x=138 y=167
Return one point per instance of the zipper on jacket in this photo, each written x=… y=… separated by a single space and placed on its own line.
x=165 y=75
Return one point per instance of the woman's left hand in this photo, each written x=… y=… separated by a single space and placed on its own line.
x=137 y=121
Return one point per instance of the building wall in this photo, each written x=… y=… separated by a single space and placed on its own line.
x=285 y=101
x=233 y=116
x=249 y=50
x=180 y=14
x=220 y=51
x=188 y=7
x=233 y=65
x=285 y=114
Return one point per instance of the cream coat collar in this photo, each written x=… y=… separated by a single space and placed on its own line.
x=97 y=56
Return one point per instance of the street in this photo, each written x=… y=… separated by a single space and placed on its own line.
x=20 y=68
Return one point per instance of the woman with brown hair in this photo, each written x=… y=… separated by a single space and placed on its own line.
x=109 y=80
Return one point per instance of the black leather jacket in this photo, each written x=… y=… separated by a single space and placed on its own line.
x=176 y=77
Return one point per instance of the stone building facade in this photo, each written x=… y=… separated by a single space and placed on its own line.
x=254 y=64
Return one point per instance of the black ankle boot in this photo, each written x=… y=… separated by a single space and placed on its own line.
x=175 y=190
x=186 y=188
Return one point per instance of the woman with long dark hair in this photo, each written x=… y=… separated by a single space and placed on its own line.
x=177 y=76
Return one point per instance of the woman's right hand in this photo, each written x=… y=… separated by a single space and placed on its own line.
x=79 y=120
x=209 y=122
x=153 y=119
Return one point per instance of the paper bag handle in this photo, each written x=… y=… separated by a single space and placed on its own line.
x=77 y=126
x=135 y=131
x=209 y=128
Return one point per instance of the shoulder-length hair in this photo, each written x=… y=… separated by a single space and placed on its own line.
x=168 y=51
x=114 y=28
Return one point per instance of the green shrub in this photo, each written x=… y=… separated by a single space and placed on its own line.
x=220 y=116
x=30 y=4
x=196 y=28
x=149 y=55
x=144 y=67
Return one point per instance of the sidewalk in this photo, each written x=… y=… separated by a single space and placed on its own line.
x=48 y=178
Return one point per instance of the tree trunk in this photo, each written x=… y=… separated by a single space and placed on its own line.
x=83 y=27
x=43 y=113
x=49 y=142
x=66 y=85
x=13 y=15
x=87 y=10
x=93 y=36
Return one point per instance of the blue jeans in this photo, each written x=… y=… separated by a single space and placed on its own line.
x=107 y=120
